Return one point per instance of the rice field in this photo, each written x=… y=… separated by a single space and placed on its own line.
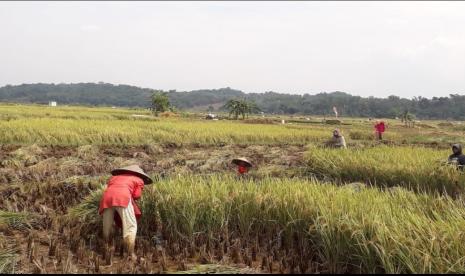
x=376 y=207
x=71 y=126
x=420 y=169
x=43 y=131
x=324 y=227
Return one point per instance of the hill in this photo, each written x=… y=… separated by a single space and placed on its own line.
x=79 y=93
x=452 y=107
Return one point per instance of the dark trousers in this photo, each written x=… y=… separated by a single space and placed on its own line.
x=380 y=135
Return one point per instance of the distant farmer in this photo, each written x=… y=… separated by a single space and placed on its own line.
x=457 y=158
x=380 y=128
x=118 y=204
x=243 y=165
x=337 y=141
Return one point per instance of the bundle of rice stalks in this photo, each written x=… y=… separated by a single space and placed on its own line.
x=25 y=156
x=153 y=149
x=8 y=257
x=216 y=269
x=87 y=152
x=86 y=213
x=18 y=221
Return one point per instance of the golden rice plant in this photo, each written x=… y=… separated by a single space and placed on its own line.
x=18 y=111
x=72 y=125
x=46 y=131
x=421 y=169
x=342 y=229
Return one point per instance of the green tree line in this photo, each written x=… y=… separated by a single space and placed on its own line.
x=451 y=107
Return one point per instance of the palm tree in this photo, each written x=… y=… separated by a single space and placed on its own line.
x=235 y=108
x=240 y=107
x=408 y=118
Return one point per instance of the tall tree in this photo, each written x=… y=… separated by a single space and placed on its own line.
x=160 y=102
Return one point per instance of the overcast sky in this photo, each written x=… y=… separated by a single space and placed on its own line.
x=363 y=48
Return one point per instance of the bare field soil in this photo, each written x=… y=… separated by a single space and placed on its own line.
x=35 y=163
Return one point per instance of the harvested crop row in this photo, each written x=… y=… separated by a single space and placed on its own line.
x=50 y=165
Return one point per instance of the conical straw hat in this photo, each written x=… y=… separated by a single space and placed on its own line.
x=134 y=169
x=237 y=161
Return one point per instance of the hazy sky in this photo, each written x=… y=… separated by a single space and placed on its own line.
x=364 y=48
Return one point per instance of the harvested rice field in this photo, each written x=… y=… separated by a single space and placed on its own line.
x=375 y=207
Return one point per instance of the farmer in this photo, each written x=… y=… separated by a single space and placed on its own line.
x=243 y=166
x=457 y=158
x=337 y=141
x=380 y=128
x=118 y=204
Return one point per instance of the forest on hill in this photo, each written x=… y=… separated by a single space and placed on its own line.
x=105 y=94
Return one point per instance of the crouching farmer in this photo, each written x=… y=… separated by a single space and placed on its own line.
x=118 y=204
x=337 y=141
x=243 y=166
x=457 y=158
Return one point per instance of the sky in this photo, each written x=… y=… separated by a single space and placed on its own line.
x=363 y=48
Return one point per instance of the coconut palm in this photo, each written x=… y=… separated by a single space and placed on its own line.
x=408 y=118
x=240 y=107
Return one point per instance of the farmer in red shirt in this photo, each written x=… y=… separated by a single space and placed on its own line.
x=380 y=128
x=243 y=165
x=118 y=203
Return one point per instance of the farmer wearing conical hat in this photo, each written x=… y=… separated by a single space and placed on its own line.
x=243 y=165
x=118 y=203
